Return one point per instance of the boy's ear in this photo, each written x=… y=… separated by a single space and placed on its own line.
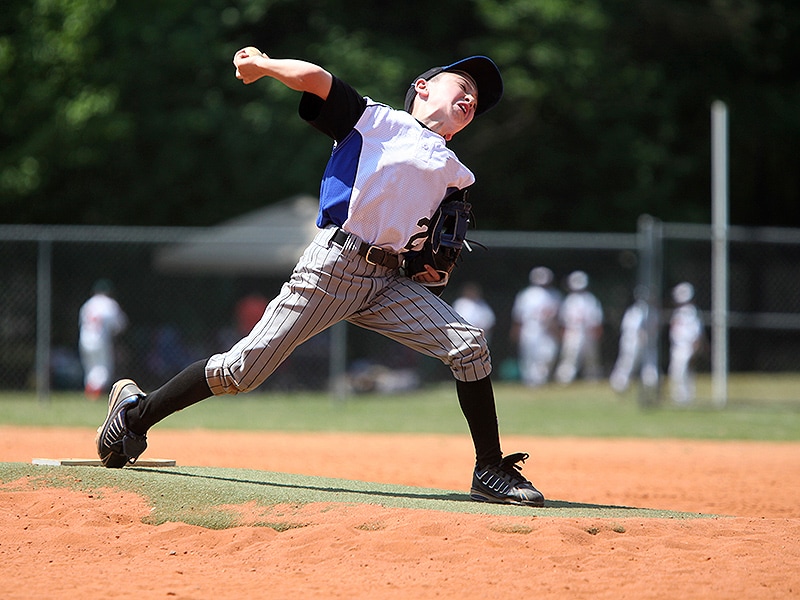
x=421 y=86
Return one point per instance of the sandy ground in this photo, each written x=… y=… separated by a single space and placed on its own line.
x=57 y=543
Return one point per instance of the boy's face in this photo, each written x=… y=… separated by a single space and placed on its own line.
x=450 y=99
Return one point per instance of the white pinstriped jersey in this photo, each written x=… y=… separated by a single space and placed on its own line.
x=387 y=173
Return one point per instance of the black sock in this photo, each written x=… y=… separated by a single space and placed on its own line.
x=477 y=403
x=186 y=388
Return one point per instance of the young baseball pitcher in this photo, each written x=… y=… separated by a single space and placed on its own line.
x=391 y=220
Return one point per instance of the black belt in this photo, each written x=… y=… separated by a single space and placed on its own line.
x=372 y=254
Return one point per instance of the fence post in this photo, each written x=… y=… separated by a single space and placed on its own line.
x=719 y=271
x=338 y=362
x=44 y=297
x=649 y=242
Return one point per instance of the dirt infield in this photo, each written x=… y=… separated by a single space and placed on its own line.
x=55 y=542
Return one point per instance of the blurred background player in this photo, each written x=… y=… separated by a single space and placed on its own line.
x=685 y=338
x=100 y=320
x=632 y=341
x=535 y=327
x=581 y=317
x=472 y=306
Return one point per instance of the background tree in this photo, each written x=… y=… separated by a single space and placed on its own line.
x=128 y=112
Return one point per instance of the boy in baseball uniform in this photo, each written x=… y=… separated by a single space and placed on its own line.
x=581 y=316
x=535 y=327
x=388 y=172
x=685 y=337
x=100 y=321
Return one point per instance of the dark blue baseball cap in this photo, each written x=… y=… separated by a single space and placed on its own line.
x=482 y=70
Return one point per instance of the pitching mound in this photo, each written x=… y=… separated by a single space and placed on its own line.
x=98 y=540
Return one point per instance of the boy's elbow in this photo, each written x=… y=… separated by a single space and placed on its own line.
x=319 y=84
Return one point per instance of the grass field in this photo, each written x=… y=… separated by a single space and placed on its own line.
x=761 y=408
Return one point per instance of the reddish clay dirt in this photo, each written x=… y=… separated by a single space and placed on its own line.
x=56 y=543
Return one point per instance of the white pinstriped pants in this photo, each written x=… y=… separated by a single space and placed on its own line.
x=331 y=284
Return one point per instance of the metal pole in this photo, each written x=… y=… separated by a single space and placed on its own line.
x=719 y=254
x=43 y=315
x=338 y=361
x=650 y=275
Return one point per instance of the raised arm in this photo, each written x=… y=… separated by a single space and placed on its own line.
x=251 y=65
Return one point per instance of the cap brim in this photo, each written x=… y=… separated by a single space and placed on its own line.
x=482 y=70
x=487 y=77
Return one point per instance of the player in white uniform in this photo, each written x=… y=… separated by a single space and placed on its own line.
x=475 y=310
x=685 y=336
x=535 y=327
x=581 y=317
x=388 y=172
x=632 y=342
x=100 y=320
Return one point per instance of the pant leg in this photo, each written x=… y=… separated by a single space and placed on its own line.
x=527 y=361
x=408 y=313
x=546 y=354
x=592 y=367
x=98 y=367
x=536 y=357
x=328 y=284
x=681 y=379
x=571 y=350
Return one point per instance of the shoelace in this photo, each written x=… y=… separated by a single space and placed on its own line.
x=509 y=465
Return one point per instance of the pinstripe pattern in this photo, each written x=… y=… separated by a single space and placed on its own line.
x=330 y=284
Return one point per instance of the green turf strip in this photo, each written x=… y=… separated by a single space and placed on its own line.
x=195 y=495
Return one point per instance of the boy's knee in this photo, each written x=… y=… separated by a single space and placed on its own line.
x=472 y=361
x=222 y=379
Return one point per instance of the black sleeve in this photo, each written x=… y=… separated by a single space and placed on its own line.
x=336 y=116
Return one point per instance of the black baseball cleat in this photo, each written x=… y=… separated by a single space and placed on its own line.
x=116 y=445
x=504 y=483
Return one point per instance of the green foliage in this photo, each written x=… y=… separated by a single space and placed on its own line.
x=128 y=112
x=45 y=48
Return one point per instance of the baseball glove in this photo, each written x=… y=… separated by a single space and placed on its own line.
x=446 y=238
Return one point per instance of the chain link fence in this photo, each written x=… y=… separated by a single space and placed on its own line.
x=180 y=314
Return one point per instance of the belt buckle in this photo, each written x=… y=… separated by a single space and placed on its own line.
x=369 y=254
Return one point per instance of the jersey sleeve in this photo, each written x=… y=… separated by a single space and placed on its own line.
x=336 y=116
